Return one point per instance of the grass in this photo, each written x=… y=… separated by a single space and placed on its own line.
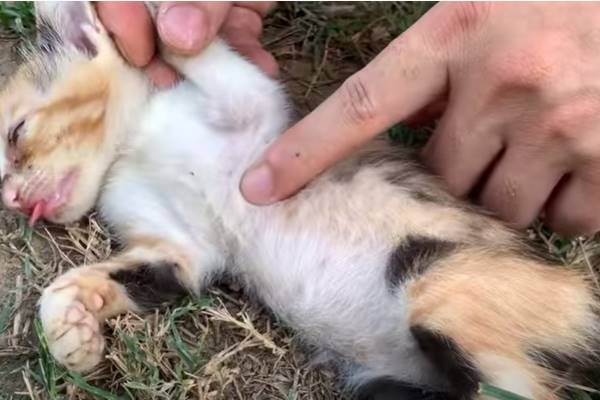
x=222 y=346
x=497 y=393
x=17 y=18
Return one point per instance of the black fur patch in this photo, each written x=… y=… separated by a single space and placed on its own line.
x=151 y=285
x=578 y=368
x=48 y=40
x=413 y=256
x=451 y=361
x=389 y=389
x=400 y=166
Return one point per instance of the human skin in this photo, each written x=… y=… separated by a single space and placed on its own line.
x=185 y=27
x=515 y=87
x=517 y=90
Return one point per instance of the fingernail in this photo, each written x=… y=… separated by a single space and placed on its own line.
x=182 y=27
x=123 y=50
x=161 y=74
x=258 y=185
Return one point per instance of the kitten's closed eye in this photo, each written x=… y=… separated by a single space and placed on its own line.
x=15 y=132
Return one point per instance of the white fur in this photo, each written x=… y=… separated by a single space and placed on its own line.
x=317 y=260
x=178 y=179
x=508 y=375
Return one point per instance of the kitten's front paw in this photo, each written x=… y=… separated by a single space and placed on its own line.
x=68 y=314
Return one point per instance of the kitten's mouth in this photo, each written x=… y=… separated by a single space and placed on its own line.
x=48 y=205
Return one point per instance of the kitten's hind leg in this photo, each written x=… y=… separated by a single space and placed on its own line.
x=504 y=320
x=75 y=305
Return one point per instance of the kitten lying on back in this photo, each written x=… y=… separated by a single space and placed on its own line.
x=373 y=261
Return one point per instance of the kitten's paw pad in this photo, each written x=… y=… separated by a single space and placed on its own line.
x=76 y=340
x=71 y=327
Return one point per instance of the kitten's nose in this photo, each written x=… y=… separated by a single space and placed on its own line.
x=10 y=195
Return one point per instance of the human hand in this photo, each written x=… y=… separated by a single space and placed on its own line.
x=521 y=89
x=185 y=27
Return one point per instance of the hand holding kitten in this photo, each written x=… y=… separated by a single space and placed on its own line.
x=186 y=27
x=516 y=86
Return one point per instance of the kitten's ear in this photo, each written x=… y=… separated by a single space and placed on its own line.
x=69 y=22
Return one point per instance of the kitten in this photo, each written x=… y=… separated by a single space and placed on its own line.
x=373 y=261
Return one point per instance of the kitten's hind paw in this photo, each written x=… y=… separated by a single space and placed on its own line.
x=71 y=310
x=74 y=307
x=75 y=339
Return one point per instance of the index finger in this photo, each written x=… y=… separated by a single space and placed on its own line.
x=401 y=80
x=132 y=29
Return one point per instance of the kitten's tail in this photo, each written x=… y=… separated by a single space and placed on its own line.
x=524 y=326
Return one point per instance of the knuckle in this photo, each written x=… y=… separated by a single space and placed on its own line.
x=466 y=17
x=534 y=63
x=409 y=57
x=357 y=102
x=565 y=121
x=455 y=24
x=572 y=212
x=520 y=69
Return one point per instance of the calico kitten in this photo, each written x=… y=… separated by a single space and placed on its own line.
x=373 y=261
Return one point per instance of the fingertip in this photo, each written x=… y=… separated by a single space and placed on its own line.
x=182 y=27
x=269 y=65
x=261 y=58
x=242 y=30
x=569 y=211
x=569 y=229
x=570 y=224
x=263 y=8
x=188 y=27
x=258 y=185
x=161 y=74
x=283 y=170
x=132 y=29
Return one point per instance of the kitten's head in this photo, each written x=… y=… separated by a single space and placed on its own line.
x=59 y=115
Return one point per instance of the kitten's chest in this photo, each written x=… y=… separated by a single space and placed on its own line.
x=184 y=164
x=187 y=136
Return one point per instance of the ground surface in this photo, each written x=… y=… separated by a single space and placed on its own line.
x=222 y=346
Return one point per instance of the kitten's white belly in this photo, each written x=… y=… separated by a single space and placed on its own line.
x=186 y=171
x=333 y=293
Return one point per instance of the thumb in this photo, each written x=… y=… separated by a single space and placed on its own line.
x=187 y=27
x=405 y=77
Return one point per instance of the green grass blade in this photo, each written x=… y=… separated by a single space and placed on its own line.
x=581 y=395
x=17 y=17
x=497 y=393
x=46 y=362
x=98 y=393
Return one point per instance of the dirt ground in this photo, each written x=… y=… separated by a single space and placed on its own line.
x=7 y=66
x=223 y=346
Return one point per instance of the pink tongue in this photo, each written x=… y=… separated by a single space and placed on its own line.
x=37 y=213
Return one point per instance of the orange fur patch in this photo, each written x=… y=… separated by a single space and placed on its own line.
x=96 y=291
x=76 y=115
x=497 y=305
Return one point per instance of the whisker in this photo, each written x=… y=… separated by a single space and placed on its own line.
x=26 y=189
x=37 y=182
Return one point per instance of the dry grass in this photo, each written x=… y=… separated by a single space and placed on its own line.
x=224 y=345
